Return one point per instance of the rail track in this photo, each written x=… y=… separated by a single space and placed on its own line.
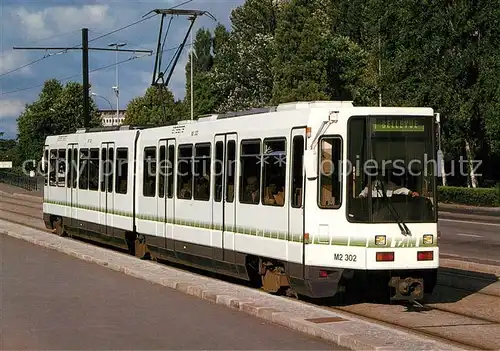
x=465 y=318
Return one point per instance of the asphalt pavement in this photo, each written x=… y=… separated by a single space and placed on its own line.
x=475 y=241
x=49 y=300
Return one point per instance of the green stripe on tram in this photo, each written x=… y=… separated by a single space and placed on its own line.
x=251 y=231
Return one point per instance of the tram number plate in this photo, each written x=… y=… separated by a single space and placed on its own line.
x=344 y=257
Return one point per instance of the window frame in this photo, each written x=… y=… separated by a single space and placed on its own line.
x=219 y=179
x=292 y=173
x=117 y=191
x=241 y=155
x=178 y=159
x=194 y=178
x=94 y=149
x=235 y=173
x=263 y=166
x=144 y=172
x=318 y=185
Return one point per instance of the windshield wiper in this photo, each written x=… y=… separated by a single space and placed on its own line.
x=402 y=225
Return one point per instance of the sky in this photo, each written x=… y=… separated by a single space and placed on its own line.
x=58 y=23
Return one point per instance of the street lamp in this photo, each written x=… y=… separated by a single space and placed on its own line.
x=102 y=97
x=117 y=87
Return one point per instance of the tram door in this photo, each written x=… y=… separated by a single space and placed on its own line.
x=224 y=185
x=296 y=208
x=165 y=206
x=71 y=183
x=106 y=193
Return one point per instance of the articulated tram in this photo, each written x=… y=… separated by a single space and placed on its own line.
x=304 y=196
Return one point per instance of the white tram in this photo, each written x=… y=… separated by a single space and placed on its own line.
x=279 y=195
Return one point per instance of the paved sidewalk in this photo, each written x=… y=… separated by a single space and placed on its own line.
x=342 y=329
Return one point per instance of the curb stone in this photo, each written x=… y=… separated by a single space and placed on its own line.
x=346 y=331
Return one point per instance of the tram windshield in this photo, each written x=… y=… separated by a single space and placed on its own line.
x=393 y=167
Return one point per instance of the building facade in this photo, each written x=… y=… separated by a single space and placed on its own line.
x=108 y=117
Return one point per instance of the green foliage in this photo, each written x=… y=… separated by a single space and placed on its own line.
x=157 y=107
x=469 y=196
x=9 y=151
x=58 y=110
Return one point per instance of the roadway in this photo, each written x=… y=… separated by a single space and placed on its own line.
x=474 y=241
x=53 y=301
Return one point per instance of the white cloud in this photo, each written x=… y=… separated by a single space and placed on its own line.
x=10 y=60
x=54 y=20
x=11 y=108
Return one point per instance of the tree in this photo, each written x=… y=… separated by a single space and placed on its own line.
x=156 y=107
x=203 y=87
x=58 y=110
x=243 y=59
x=314 y=63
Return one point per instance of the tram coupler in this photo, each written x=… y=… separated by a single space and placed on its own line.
x=408 y=289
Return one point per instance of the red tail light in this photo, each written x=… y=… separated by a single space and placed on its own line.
x=385 y=256
x=323 y=274
x=425 y=256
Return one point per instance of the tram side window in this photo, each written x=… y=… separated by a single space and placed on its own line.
x=121 y=170
x=74 y=169
x=185 y=172
x=105 y=168
x=274 y=172
x=52 y=167
x=297 y=170
x=162 y=175
x=231 y=170
x=61 y=168
x=69 y=169
x=202 y=160
x=330 y=181
x=94 y=170
x=84 y=177
x=45 y=165
x=250 y=161
x=111 y=176
x=219 y=159
x=170 y=171
x=149 y=172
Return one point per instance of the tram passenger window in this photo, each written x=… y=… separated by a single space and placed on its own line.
x=219 y=161
x=330 y=178
x=274 y=172
x=149 y=172
x=84 y=177
x=250 y=160
x=105 y=168
x=162 y=174
x=74 y=169
x=170 y=171
x=70 y=169
x=111 y=159
x=45 y=165
x=61 y=168
x=185 y=172
x=121 y=171
x=202 y=172
x=94 y=170
x=231 y=170
x=53 y=168
x=297 y=170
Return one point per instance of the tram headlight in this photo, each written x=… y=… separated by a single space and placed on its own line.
x=380 y=240
x=428 y=239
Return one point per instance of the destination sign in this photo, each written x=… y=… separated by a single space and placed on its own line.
x=403 y=125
